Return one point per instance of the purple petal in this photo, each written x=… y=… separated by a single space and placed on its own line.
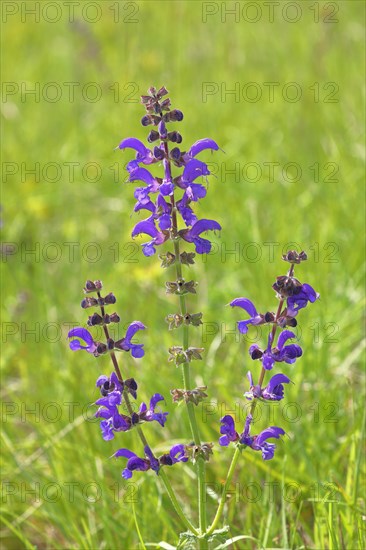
x=202 y=144
x=145 y=227
x=137 y=351
x=166 y=188
x=137 y=463
x=81 y=333
x=143 y=153
x=224 y=441
x=245 y=304
x=276 y=380
x=193 y=169
x=311 y=294
x=203 y=225
x=133 y=328
x=272 y=431
x=124 y=452
x=141 y=174
x=283 y=337
x=126 y=474
x=154 y=400
x=101 y=380
x=203 y=246
x=196 y=191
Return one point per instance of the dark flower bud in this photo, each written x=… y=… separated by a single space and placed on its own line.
x=153 y=136
x=269 y=317
x=173 y=116
x=110 y=344
x=90 y=286
x=173 y=136
x=145 y=99
x=158 y=153
x=179 y=138
x=105 y=388
x=286 y=286
x=162 y=92
x=176 y=115
x=165 y=460
x=150 y=119
x=89 y=301
x=131 y=386
x=175 y=153
x=98 y=285
x=94 y=320
x=135 y=418
x=110 y=299
x=114 y=318
x=151 y=90
x=255 y=353
x=165 y=105
x=294 y=258
x=101 y=348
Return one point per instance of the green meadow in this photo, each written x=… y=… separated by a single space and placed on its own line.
x=280 y=87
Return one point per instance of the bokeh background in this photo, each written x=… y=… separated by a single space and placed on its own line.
x=280 y=86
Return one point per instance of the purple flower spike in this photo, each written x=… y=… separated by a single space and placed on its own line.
x=143 y=154
x=300 y=300
x=249 y=307
x=228 y=431
x=85 y=336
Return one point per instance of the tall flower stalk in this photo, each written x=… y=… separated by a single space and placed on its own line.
x=169 y=200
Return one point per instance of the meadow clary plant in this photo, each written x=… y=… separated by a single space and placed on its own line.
x=169 y=200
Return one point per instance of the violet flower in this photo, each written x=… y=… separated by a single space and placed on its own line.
x=85 y=336
x=274 y=391
x=125 y=343
x=280 y=353
x=135 y=463
x=149 y=414
x=203 y=246
x=259 y=442
x=255 y=317
x=228 y=431
x=300 y=300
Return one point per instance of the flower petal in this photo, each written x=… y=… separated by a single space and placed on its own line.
x=245 y=304
x=133 y=328
x=283 y=337
x=201 y=145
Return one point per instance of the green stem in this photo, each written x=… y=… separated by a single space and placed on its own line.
x=175 y=503
x=224 y=492
x=201 y=467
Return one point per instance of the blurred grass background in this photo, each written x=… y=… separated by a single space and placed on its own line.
x=59 y=489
